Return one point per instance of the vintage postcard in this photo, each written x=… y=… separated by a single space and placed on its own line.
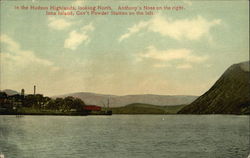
x=124 y=79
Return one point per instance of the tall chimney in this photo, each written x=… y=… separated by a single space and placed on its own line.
x=22 y=92
x=34 y=89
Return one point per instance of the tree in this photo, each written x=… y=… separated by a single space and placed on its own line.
x=78 y=104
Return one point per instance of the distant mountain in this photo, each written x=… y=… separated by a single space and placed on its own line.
x=117 y=101
x=229 y=95
x=10 y=92
x=138 y=108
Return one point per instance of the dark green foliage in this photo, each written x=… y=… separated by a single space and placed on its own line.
x=35 y=101
x=66 y=104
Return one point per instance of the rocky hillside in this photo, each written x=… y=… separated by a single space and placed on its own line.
x=229 y=95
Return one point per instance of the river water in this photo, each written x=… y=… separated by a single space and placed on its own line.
x=125 y=136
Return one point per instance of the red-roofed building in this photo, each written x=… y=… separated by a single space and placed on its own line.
x=92 y=108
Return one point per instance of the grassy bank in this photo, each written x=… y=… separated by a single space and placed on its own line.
x=138 y=108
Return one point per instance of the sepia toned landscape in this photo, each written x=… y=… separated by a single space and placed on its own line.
x=124 y=79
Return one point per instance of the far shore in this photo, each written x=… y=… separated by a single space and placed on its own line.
x=98 y=114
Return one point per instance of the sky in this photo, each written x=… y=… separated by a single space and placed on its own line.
x=169 y=53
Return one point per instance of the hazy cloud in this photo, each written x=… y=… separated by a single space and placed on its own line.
x=59 y=23
x=87 y=28
x=75 y=39
x=189 y=3
x=78 y=37
x=18 y=57
x=191 y=29
x=161 y=65
x=78 y=3
x=184 y=66
x=171 y=54
x=184 y=55
x=134 y=29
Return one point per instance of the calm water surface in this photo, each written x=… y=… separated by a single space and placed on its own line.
x=124 y=136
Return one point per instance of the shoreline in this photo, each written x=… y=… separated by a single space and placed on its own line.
x=81 y=114
x=52 y=114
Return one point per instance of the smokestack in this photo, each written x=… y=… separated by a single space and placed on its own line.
x=34 y=89
x=22 y=92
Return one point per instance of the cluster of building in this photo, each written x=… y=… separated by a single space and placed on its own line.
x=12 y=100
x=15 y=101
